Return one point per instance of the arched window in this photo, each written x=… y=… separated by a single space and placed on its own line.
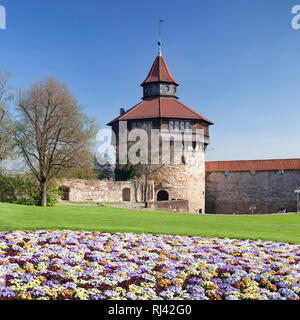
x=162 y=195
x=126 y=194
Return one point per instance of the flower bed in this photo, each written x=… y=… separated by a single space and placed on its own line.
x=91 y=265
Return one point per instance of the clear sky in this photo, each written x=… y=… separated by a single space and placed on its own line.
x=238 y=62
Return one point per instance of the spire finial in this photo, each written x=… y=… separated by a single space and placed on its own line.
x=159 y=38
x=159 y=48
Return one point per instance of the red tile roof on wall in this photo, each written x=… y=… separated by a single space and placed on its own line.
x=253 y=165
x=160 y=72
x=160 y=108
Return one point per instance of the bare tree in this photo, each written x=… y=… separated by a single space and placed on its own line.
x=52 y=132
x=144 y=174
x=5 y=126
x=145 y=171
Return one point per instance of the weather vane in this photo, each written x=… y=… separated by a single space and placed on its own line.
x=159 y=37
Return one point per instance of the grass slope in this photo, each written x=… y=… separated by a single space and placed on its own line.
x=284 y=228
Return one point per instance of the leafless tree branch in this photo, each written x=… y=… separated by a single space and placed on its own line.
x=52 y=132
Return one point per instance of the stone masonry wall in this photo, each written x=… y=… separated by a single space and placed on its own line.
x=178 y=206
x=269 y=191
x=184 y=182
x=102 y=190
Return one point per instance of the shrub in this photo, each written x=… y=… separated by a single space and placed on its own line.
x=125 y=172
x=78 y=173
x=25 y=190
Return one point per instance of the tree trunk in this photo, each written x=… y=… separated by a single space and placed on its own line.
x=136 y=185
x=146 y=190
x=43 y=185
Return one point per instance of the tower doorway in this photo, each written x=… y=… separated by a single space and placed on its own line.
x=162 y=195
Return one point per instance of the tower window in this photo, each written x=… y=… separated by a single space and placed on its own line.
x=133 y=125
x=139 y=124
x=181 y=126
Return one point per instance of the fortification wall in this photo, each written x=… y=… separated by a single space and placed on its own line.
x=104 y=190
x=268 y=191
x=184 y=182
x=178 y=206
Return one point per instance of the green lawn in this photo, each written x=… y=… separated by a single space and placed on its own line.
x=92 y=202
x=285 y=228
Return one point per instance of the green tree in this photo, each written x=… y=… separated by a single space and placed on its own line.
x=125 y=172
x=103 y=167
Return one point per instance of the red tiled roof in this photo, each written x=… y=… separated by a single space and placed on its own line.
x=160 y=108
x=160 y=72
x=253 y=165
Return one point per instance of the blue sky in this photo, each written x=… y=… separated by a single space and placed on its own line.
x=238 y=62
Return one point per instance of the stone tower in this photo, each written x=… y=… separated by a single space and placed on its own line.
x=183 y=177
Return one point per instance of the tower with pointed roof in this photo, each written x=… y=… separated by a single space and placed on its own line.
x=161 y=109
